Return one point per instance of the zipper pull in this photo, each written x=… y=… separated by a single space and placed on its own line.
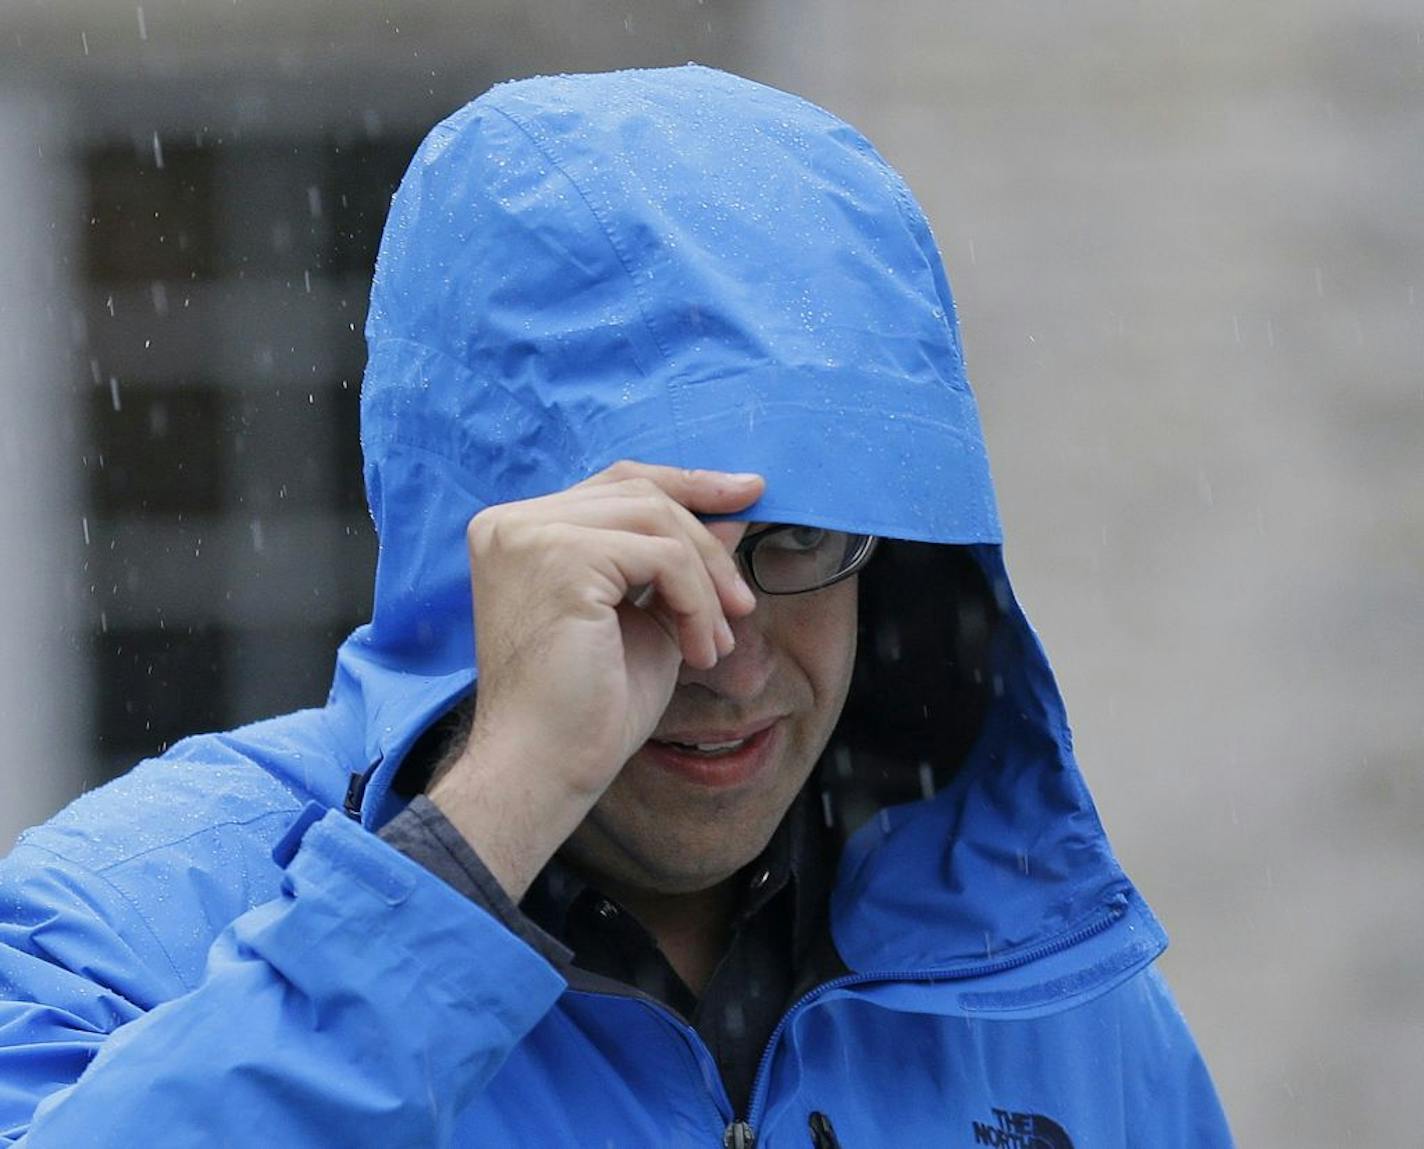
x=356 y=789
x=822 y=1135
x=739 y=1135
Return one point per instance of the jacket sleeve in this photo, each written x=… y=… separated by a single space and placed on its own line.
x=365 y=1005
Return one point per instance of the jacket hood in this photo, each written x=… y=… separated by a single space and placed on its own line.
x=684 y=267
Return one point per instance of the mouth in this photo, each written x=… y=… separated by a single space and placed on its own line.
x=716 y=758
x=714 y=740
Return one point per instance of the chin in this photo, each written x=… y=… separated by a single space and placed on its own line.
x=667 y=855
x=655 y=831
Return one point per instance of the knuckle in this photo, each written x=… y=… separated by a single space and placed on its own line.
x=659 y=510
x=689 y=556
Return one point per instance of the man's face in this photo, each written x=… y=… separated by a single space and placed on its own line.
x=674 y=820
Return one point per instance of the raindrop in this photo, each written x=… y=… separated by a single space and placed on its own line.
x=160 y=298
x=314 y=201
x=84 y=39
x=142 y=24
x=84 y=522
x=1204 y=491
x=157 y=147
x=114 y=392
x=306 y=278
x=927 y=785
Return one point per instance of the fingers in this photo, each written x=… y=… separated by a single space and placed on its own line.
x=700 y=491
x=639 y=503
x=684 y=601
x=635 y=527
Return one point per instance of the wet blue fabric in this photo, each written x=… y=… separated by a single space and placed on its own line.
x=687 y=268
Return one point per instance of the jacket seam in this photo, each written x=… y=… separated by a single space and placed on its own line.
x=171 y=842
x=123 y=898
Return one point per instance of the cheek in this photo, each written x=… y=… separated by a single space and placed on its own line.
x=820 y=637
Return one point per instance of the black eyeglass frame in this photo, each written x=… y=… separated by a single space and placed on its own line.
x=745 y=553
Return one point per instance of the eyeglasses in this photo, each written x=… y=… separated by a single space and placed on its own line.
x=790 y=559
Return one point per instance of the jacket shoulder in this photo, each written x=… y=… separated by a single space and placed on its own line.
x=182 y=843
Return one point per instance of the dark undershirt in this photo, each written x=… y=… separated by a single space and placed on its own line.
x=780 y=946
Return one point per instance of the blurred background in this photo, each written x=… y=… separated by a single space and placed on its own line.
x=1187 y=243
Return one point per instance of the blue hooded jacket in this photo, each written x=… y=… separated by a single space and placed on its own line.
x=687 y=268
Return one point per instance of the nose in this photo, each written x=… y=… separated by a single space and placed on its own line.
x=744 y=674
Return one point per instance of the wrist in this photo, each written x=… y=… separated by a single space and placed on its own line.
x=512 y=812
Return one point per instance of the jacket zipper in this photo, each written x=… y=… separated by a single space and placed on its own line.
x=741 y=1133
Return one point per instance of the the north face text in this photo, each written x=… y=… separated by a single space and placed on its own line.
x=1011 y=1130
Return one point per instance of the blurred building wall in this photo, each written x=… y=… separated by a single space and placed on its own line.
x=44 y=702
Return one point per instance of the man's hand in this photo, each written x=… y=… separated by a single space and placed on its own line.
x=586 y=603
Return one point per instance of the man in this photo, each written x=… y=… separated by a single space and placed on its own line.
x=760 y=823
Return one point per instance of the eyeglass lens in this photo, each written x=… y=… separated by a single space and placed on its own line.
x=791 y=559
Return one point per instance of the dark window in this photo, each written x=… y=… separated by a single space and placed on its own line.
x=157 y=450
x=148 y=222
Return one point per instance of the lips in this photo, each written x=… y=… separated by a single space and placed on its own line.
x=716 y=758
x=711 y=742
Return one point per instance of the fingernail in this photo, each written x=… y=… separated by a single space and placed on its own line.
x=743 y=476
x=728 y=641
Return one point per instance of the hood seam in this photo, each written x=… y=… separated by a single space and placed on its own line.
x=545 y=148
